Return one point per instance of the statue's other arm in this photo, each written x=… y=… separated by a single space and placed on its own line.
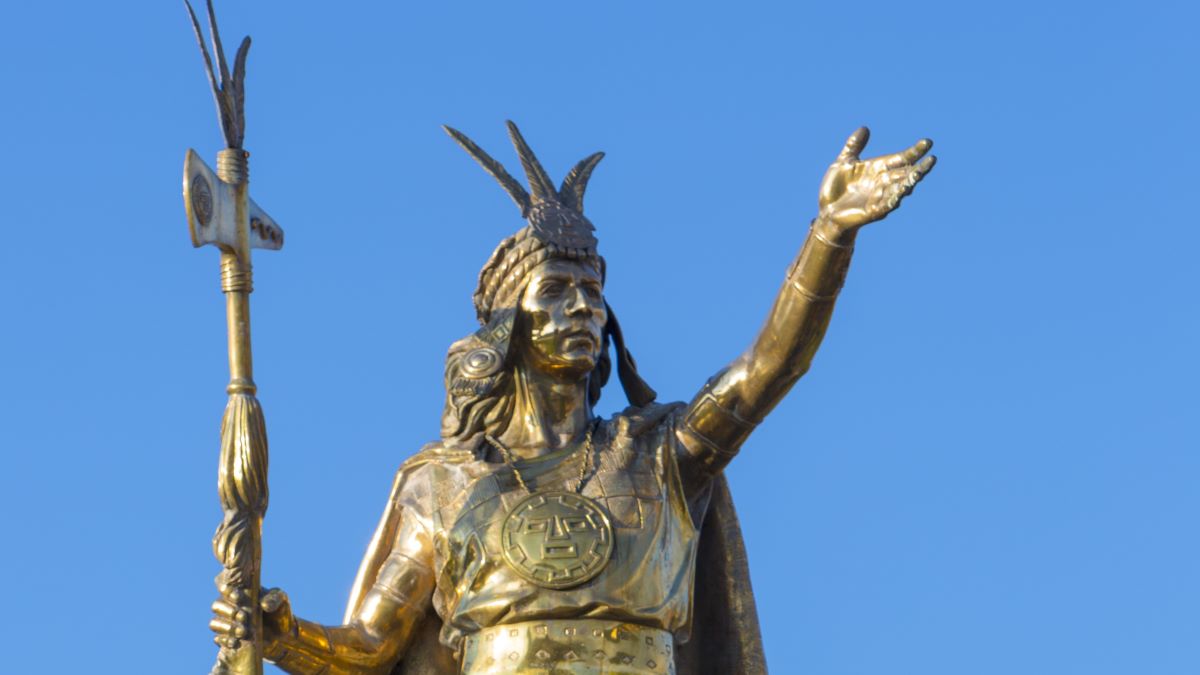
x=376 y=636
x=853 y=193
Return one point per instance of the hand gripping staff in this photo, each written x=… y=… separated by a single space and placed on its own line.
x=220 y=212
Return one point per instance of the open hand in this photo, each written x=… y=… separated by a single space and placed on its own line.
x=857 y=191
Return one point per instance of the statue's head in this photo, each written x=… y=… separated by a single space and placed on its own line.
x=540 y=303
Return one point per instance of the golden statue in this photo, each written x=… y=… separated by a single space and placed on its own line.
x=534 y=537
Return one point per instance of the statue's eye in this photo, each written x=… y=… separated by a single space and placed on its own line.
x=592 y=291
x=550 y=289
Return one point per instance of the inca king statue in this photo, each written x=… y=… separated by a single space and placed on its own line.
x=534 y=537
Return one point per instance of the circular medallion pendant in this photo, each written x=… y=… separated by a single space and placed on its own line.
x=557 y=539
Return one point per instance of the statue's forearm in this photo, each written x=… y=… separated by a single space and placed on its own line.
x=374 y=641
x=313 y=649
x=727 y=409
x=784 y=348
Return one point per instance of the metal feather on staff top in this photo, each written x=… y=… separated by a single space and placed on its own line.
x=220 y=212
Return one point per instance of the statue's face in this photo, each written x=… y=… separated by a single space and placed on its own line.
x=564 y=310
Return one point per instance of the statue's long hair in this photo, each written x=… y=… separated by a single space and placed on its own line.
x=476 y=407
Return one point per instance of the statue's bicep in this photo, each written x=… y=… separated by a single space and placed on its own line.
x=711 y=431
x=403 y=588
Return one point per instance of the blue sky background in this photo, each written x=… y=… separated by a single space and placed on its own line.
x=992 y=468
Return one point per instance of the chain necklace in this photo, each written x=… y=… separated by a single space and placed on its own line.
x=585 y=462
x=555 y=538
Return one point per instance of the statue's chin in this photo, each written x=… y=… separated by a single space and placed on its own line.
x=569 y=367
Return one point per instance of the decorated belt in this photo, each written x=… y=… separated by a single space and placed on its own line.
x=574 y=646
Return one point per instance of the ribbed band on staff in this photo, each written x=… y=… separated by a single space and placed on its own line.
x=233 y=166
x=236 y=276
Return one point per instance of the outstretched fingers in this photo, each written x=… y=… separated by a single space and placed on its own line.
x=895 y=191
x=854 y=145
x=907 y=157
x=907 y=173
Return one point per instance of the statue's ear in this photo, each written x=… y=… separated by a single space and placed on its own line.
x=637 y=391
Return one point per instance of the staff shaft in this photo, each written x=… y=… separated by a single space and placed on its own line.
x=237 y=314
x=242 y=473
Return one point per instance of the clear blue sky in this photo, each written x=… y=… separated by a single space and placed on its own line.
x=992 y=468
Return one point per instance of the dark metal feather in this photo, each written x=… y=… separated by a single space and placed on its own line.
x=539 y=183
x=208 y=65
x=218 y=50
x=228 y=91
x=239 y=85
x=496 y=169
x=575 y=184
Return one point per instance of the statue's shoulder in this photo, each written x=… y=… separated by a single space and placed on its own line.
x=423 y=471
x=437 y=453
x=637 y=421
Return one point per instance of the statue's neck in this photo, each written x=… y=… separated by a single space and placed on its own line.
x=548 y=413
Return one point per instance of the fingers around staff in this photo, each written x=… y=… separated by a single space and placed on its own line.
x=854 y=145
x=234 y=594
x=909 y=156
x=226 y=627
x=227 y=641
x=228 y=611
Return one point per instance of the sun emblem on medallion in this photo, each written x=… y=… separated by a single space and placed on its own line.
x=557 y=539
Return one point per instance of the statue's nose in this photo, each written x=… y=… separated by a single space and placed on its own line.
x=577 y=302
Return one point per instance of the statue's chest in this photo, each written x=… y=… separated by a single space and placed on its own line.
x=552 y=534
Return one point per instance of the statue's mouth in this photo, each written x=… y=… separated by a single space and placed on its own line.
x=574 y=335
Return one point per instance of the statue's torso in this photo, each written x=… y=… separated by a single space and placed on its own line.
x=647 y=581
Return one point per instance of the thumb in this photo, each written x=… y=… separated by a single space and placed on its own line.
x=273 y=600
x=854 y=145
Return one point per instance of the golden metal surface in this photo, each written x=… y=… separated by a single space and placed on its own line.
x=502 y=552
x=569 y=647
x=556 y=539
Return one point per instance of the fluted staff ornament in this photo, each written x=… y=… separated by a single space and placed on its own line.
x=220 y=212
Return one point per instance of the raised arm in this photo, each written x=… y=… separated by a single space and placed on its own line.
x=854 y=192
x=376 y=636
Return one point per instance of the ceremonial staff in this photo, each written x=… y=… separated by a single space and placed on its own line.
x=220 y=212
